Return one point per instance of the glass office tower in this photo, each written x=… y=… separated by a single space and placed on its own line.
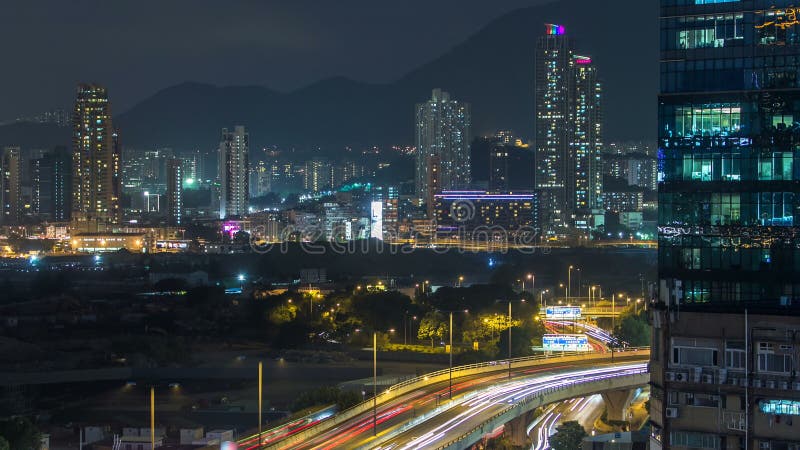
x=725 y=348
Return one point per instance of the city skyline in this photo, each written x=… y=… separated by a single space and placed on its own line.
x=412 y=225
x=508 y=31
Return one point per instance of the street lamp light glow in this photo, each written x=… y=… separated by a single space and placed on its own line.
x=240 y=277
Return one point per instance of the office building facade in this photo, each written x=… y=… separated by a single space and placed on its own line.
x=725 y=349
x=568 y=132
x=234 y=170
x=486 y=216
x=443 y=138
x=95 y=162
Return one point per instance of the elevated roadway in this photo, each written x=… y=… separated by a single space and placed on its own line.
x=419 y=413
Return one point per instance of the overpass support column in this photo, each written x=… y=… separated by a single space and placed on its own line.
x=617 y=403
x=517 y=429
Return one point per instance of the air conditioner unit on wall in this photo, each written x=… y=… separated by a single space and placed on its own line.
x=670 y=376
x=771 y=384
x=764 y=445
x=708 y=379
x=681 y=376
x=756 y=383
x=672 y=413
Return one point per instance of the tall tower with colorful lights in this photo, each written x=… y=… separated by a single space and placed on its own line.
x=568 y=133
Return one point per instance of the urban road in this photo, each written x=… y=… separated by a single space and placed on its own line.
x=427 y=418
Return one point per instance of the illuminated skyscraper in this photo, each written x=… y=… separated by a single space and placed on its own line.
x=585 y=174
x=95 y=162
x=174 y=191
x=234 y=168
x=725 y=355
x=568 y=132
x=443 y=133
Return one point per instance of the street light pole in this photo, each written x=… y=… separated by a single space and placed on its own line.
x=260 y=400
x=451 y=355
x=374 y=383
x=569 y=283
x=405 y=328
x=533 y=283
x=152 y=417
x=509 y=340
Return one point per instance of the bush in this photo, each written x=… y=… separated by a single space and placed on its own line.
x=324 y=396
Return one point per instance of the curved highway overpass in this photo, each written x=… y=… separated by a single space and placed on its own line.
x=419 y=413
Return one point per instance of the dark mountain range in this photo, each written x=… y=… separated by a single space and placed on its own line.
x=493 y=70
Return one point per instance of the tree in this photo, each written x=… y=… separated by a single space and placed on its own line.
x=521 y=342
x=432 y=326
x=4 y=444
x=569 y=436
x=634 y=330
x=381 y=311
x=282 y=314
x=20 y=434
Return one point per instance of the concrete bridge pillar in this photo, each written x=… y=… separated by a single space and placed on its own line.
x=617 y=403
x=516 y=430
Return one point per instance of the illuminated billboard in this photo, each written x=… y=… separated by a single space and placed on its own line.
x=563 y=312
x=565 y=342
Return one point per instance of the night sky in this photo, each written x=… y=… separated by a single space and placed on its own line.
x=139 y=47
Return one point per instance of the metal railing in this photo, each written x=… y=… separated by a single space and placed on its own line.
x=538 y=394
x=404 y=386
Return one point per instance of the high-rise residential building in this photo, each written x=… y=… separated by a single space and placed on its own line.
x=51 y=185
x=174 y=191
x=389 y=198
x=642 y=172
x=498 y=166
x=317 y=175
x=95 y=162
x=234 y=167
x=260 y=179
x=193 y=169
x=510 y=166
x=433 y=183
x=443 y=135
x=725 y=353
x=11 y=186
x=585 y=172
x=568 y=132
